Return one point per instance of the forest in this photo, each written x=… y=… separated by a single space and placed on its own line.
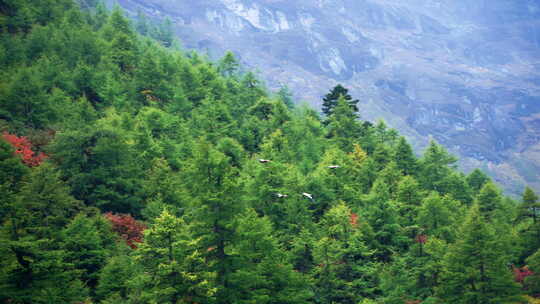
x=135 y=171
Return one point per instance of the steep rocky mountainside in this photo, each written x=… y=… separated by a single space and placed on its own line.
x=466 y=73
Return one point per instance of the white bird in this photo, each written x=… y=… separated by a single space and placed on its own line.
x=308 y=195
x=280 y=195
x=333 y=167
x=263 y=161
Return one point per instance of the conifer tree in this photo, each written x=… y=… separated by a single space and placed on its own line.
x=475 y=268
x=405 y=158
x=530 y=206
x=342 y=126
x=489 y=201
x=476 y=180
x=173 y=265
x=435 y=165
x=215 y=197
x=37 y=270
x=409 y=197
x=331 y=100
x=437 y=216
x=263 y=273
x=85 y=247
x=344 y=271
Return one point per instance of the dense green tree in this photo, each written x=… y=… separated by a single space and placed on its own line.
x=86 y=247
x=530 y=206
x=331 y=100
x=437 y=217
x=409 y=197
x=228 y=65
x=476 y=180
x=435 y=165
x=115 y=277
x=100 y=165
x=215 y=201
x=345 y=272
x=36 y=269
x=489 y=201
x=342 y=126
x=173 y=265
x=405 y=158
x=263 y=273
x=12 y=172
x=475 y=267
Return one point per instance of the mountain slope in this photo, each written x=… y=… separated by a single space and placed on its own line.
x=463 y=73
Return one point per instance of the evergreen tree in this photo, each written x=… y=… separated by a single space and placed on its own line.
x=344 y=271
x=85 y=247
x=476 y=180
x=115 y=277
x=331 y=100
x=435 y=165
x=216 y=199
x=404 y=157
x=489 y=201
x=530 y=206
x=36 y=269
x=475 y=267
x=174 y=269
x=263 y=273
x=342 y=126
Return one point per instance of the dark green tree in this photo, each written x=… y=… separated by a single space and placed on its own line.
x=405 y=158
x=331 y=100
x=475 y=268
x=476 y=180
x=173 y=265
x=263 y=273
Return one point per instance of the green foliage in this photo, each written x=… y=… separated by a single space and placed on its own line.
x=344 y=272
x=341 y=211
x=474 y=268
x=173 y=265
x=331 y=100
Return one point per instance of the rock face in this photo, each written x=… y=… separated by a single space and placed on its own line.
x=466 y=73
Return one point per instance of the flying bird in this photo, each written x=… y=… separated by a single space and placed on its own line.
x=308 y=195
x=264 y=161
x=280 y=195
x=333 y=167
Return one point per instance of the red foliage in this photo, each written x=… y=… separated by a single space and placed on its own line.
x=354 y=219
x=23 y=147
x=421 y=238
x=521 y=273
x=413 y=302
x=127 y=227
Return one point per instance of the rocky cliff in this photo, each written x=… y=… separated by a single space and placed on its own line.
x=466 y=73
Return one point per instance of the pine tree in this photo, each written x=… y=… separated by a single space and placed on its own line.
x=37 y=270
x=437 y=216
x=344 y=271
x=476 y=180
x=331 y=100
x=405 y=158
x=173 y=265
x=215 y=201
x=475 y=268
x=435 y=165
x=530 y=206
x=342 y=126
x=489 y=201
x=85 y=248
x=115 y=278
x=263 y=273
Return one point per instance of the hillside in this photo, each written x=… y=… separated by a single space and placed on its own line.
x=464 y=74
x=133 y=171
